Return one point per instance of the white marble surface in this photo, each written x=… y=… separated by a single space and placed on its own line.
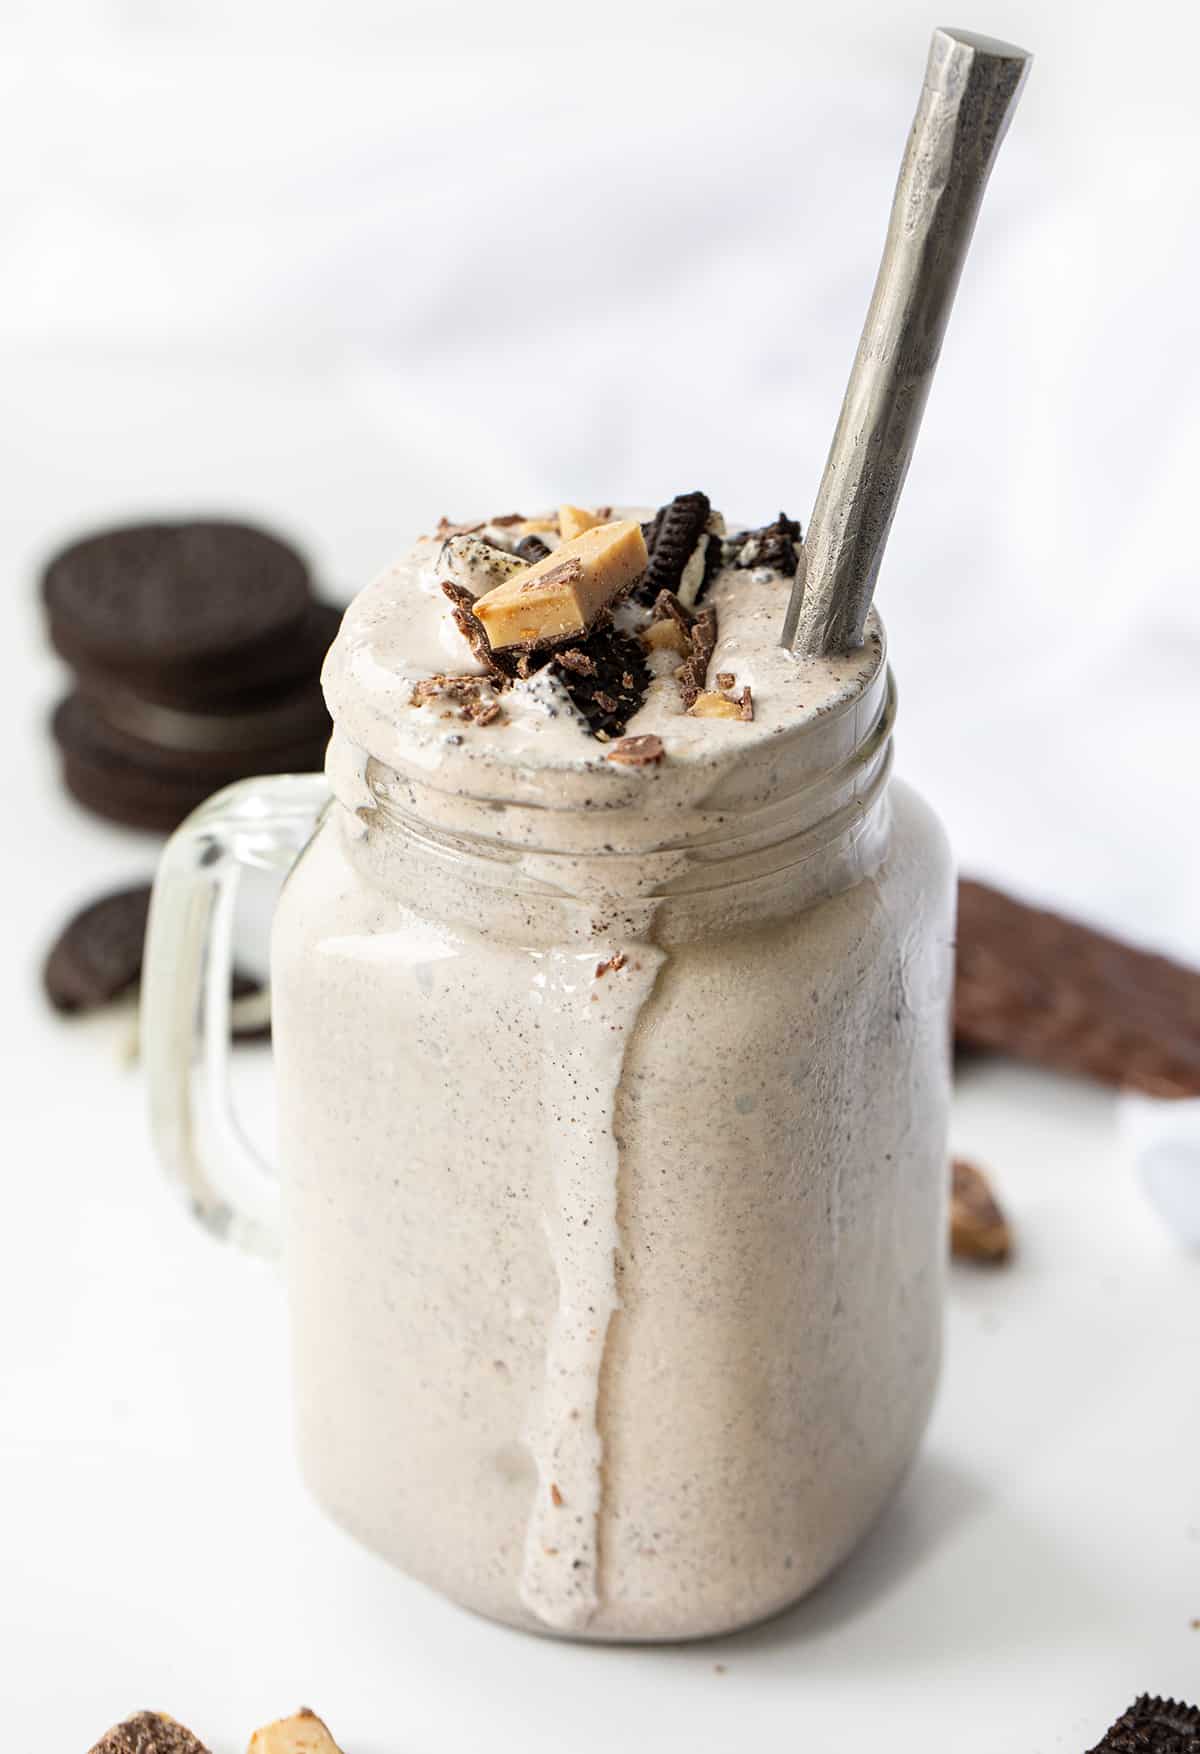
x=338 y=269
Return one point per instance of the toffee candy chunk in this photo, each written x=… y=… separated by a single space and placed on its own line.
x=978 y=1228
x=183 y=607
x=150 y=1732
x=1047 y=989
x=303 y=1733
x=1153 y=1726
x=98 y=956
x=560 y=597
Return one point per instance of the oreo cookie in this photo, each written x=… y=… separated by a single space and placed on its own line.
x=671 y=537
x=98 y=956
x=189 y=610
x=143 y=786
x=775 y=546
x=605 y=676
x=229 y=745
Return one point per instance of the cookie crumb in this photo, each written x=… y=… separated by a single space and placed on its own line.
x=978 y=1228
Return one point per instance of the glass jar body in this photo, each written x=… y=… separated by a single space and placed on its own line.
x=614 y=1319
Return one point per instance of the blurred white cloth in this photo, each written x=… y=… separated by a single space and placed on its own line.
x=351 y=268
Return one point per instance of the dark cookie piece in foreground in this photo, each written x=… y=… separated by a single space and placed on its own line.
x=775 y=546
x=605 y=676
x=98 y=955
x=97 y=958
x=1153 y=1726
x=149 y=1733
x=1043 y=988
x=671 y=537
x=192 y=603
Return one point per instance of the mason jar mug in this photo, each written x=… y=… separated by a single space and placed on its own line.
x=612 y=1158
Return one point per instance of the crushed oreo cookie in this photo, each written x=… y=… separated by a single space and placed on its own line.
x=775 y=546
x=1153 y=1726
x=475 y=563
x=672 y=537
x=605 y=676
x=531 y=549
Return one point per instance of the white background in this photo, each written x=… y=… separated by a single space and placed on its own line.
x=346 y=267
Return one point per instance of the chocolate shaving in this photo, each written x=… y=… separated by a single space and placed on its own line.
x=1047 y=989
x=565 y=573
x=667 y=607
x=725 y=679
x=746 y=705
x=614 y=963
x=508 y=518
x=574 y=659
x=466 y=692
x=1153 y=1726
x=671 y=536
x=637 y=751
x=531 y=549
x=692 y=674
x=501 y=667
x=446 y=528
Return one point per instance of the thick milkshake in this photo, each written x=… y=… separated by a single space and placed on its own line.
x=610 y=1018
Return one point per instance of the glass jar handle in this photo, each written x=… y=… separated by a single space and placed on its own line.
x=262 y=824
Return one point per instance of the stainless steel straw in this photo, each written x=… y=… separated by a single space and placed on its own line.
x=971 y=88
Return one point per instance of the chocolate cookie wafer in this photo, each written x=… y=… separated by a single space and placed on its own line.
x=1043 y=988
x=673 y=537
x=606 y=678
x=126 y=781
x=178 y=611
x=98 y=955
x=229 y=744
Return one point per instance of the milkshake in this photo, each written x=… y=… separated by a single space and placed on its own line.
x=610 y=1013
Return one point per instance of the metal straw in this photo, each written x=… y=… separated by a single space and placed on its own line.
x=971 y=88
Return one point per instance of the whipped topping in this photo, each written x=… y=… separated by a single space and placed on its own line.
x=400 y=630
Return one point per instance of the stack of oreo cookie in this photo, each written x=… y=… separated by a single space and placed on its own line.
x=196 y=650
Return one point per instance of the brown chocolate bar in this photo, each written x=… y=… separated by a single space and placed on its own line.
x=1047 y=989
